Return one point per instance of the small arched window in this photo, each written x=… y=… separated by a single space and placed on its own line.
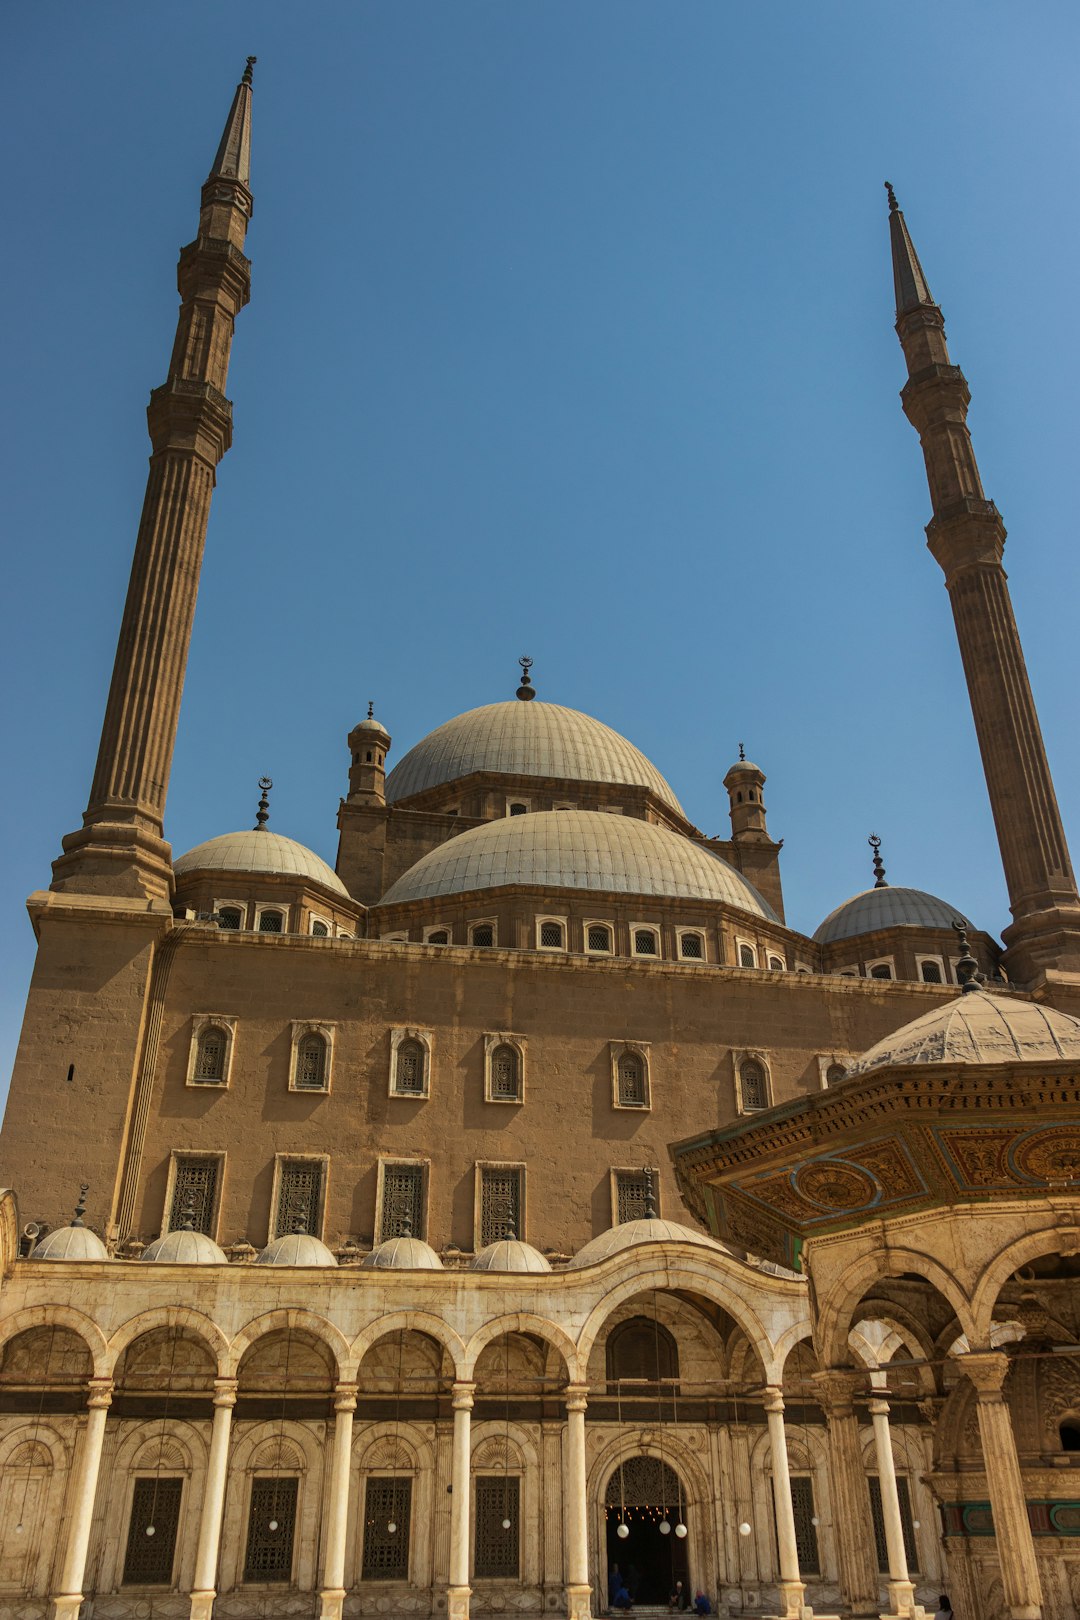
x=645 y=942
x=598 y=937
x=552 y=937
x=271 y=922
x=643 y=1351
x=210 y=1056
x=754 y=1086
x=881 y=970
x=633 y=1085
x=319 y=929
x=746 y=956
x=440 y=937
x=692 y=946
x=311 y=1062
x=506 y=1073
x=367 y=760
x=519 y=809
x=930 y=973
x=409 y=1069
x=229 y=918
x=482 y=934
x=776 y=964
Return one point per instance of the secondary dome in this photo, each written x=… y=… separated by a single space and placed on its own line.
x=887 y=907
x=525 y=739
x=978 y=1027
x=649 y=1230
x=403 y=1254
x=75 y=1242
x=296 y=1249
x=510 y=1254
x=577 y=849
x=183 y=1246
x=260 y=851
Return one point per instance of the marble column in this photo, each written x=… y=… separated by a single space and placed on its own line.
x=1012 y=1528
x=457 y=1597
x=213 y=1502
x=67 y=1602
x=901 y=1588
x=578 y=1590
x=332 y=1596
x=852 y=1525
x=792 y=1588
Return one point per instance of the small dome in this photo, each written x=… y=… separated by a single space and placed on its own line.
x=75 y=1242
x=403 y=1254
x=887 y=907
x=256 y=852
x=978 y=1027
x=510 y=1254
x=183 y=1246
x=577 y=849
x=653 y=1230
x=296 y=1249
x=525 y=739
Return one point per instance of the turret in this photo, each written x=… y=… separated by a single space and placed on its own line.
x=744 y=782
x=369 y=744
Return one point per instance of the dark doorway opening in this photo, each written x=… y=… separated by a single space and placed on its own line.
x=644 y=1494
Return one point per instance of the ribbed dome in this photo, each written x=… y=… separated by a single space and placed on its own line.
x=403 y=1254
x=510 y=1254
x=978 y=1027
x=887 y=907
x=618 y=1238
x=185 y=1247
x=296 y=1249
x=70 y=1243
x=260 y=851
x=525 y=739
x=577 y=849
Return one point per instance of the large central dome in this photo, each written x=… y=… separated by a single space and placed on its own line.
x=525 y=739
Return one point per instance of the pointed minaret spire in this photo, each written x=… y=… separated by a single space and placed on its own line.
x=967 y=537
x=120 y=849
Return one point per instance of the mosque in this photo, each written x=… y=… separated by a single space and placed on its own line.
x=519 y=1216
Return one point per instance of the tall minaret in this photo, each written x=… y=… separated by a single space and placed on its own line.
x=120 y=849
x=967 y=537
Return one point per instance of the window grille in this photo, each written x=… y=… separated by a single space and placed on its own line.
x=551 y=934
x=402 y=1201
x=311 y=1063
x=319 y=929
x=931 y=973
x=806 y=1541
x=644 y=1351
x=409 y=1068
x=149 y=1559
x=386 y=1553
x=746 y=956
x=210 y=1054
x=630 y=1196
x=229 y=917
x=482 y=934
x=754 y=1093
x=691 y=945
x=878 y=1516
x=269 y=1552
x=644 y=1482
x=632 y=1089
x=881 y=971
x=599 y=937
x=644 y=942
x=519 y=809
x=776 y=964
x=500 y=1205
x=506 y=1073
x=496 y=1545
x=299 y=1196
x=271 y=922
x=195 y=1186
x=440 y=937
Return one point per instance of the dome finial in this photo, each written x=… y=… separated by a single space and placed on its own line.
x=968 y=971
x=370 y=709
x=742 y=752
x=510 y=1235
x=187 y=1216
x=80 y=1207
x=406 y=1225
x=263 y=815
x=525 y=691
x=880 y=880
x=299 y=1225
x=894 y=206
x=251 y=61
x=650 y=1194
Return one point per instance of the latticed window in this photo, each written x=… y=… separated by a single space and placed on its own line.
x=878 y=1516
x=754 y=1091
x=645 y=942
x=692 y=946
x=155 y=1505
x=229 y=917
x=402 y=1201
x=482 y=934
x=599 y=937
x=195 y=1187
x=497 y=1535
x=311 y=1062
x=551 y=935
x=519 y=809
x=387 y=1503
x=500 y=1205
x=802 y=1502
x=319 y=929
x=210 y=1054
x=644 y=1352
x=439 y=937
x=776 y=964
x=632 y=1080
x=409 y=1068
x=930 y=972
x=506 y=1073
x=746 y=956
x=271 y=922
x=645 y=1482
x=271 y=1529
x=299 y=1198
x=631 y=1196
x=882 y=970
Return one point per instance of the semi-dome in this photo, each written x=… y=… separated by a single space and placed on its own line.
x=510 y=1254
x=887 y=907
x=184 y=1246
x=525 y=739
x=577 y=849
x=649 y=1230
x=403 y=1254
x=978 y=1026
x=75 y=1242
x=296 y=1249
x=260 y=852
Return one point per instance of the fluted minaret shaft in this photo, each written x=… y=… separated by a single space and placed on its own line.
x=120 y=848
x=967 y=537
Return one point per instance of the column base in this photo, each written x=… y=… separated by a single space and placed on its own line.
x=457 y=1602
x=67 y=1607
x=116 y=858
x=902 y=1604
x=331 y=1602
x=579 y=1602
x=202 y=1605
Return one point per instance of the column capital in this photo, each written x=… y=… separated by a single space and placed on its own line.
x=576 y=1397
x=773 y=1398
x=463 y=1390
x=225 y=1391
x=99 y=1392
x=988 y=1370
x=878 y=1406
x=838 y=1386
x=345 y=1397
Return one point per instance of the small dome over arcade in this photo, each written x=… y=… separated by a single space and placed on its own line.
x=650 y=1229
x=184 y=1246
x=510 y=1254
x=297 y=1248
x=75 y=1242
x=402 y=1253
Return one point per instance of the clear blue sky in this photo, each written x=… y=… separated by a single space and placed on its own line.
x=570 y=334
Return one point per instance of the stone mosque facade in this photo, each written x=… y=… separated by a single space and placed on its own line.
x=519 y=1216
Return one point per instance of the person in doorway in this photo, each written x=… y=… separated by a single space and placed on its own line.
x=702 y=1604
x=633 y=1581
x=677 y=1601
x=944 y=1608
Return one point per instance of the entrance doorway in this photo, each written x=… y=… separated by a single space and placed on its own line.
x=645 y=1494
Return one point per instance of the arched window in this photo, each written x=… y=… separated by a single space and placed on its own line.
x=754 y=1085
x=519 y=809
x=598 y=937
x=552 y=936
x=643 y=1350
x=692 y=947
x=776 y=964
x=210 y=1056
x=441 y=936
x=646 y=942
x=319 y=929
x=482 y=934
x=633 y=1082
x=311 y=1062
x=409 y=1070
x=506 y=1073
x=881 y=970
x=229 y=918
x=271 y=922
x=930 y=972
x=746 y=956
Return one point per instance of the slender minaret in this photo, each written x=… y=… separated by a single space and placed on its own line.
x=120 y=849
x=967 y=537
